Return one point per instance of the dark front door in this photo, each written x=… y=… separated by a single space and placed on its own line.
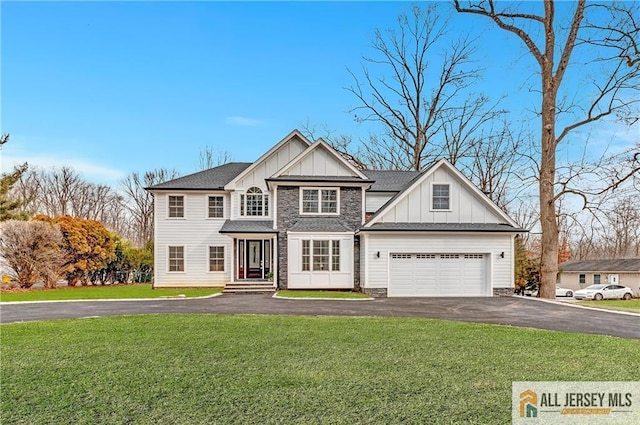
x=254 y=260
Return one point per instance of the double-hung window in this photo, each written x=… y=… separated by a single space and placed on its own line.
x=216 y=258
x=319 y=201
x=215 y=207
x=320 y=255
x=440 y=196
x=176 y=258
x=176 y=206
x=254 y=203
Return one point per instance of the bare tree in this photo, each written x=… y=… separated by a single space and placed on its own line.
x=608 y=35
x=209 y=158
x=139 y=202
x=32 y=251
x=426 y=104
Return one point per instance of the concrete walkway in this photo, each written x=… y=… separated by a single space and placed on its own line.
x=513 y=311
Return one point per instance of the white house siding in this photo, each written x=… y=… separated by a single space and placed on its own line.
x=263 y=170
x=319 y=162
x=196 y=233
x=375 y=272
x=465 y=207
x=298 y=279
x=374 y=201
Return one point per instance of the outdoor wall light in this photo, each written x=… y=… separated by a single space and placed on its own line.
x=502 y=254
x=378 y=254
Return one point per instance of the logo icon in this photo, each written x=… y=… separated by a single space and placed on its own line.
x=528 y=404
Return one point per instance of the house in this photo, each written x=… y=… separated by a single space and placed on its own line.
x=580 y=274
x=304 y=217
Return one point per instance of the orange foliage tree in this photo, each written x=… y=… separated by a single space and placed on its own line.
x=88 y=243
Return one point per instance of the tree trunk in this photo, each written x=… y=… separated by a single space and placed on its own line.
x=548 y=216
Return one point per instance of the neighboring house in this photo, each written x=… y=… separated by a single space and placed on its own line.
x=303 y=217
x=580 y=274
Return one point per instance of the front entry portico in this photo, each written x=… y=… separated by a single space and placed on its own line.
x=254 y=259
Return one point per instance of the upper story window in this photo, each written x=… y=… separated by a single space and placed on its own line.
x=176 y=206
x=215 y=207
x=319 y=201
x=440 y=197
x=254 y=203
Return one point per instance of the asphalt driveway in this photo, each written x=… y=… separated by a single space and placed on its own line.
x=513 y=311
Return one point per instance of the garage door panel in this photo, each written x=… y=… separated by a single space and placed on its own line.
x=438 y=275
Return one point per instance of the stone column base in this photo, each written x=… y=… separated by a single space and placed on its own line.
x=502 y=292
x=375 y=292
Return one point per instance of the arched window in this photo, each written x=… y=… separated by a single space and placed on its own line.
x=254 y=203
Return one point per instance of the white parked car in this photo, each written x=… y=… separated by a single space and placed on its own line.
x=604 y=292
x=563 y=292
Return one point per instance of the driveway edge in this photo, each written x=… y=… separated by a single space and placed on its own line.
x=165 y=298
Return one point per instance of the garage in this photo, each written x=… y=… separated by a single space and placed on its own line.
x=438 y=275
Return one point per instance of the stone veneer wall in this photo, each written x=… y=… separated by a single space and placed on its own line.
x=376 y=292
x=502 y=292
x=289 y=214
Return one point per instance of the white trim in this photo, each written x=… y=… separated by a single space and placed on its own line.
x=319 y=191
x=431 y=197
x=463 y=180
x=242 y=204
x=224 y=259
x=206 y=206
x=287 y=138
x=184 y=206
x=314 y=146
x=184 y=259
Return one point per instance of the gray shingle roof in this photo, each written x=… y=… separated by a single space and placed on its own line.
x=611 y=265
x=390 y=181
x=320 y=224
x=212 y=179
x=443 y=227
x=248 y=226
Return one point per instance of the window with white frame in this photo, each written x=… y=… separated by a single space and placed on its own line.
x=176 y=258
x=440 y=197
x=215 y=207
x=254 y=203
x=596 y=279
x=176 y=206
x=582 y=278
x=320 y=255
x=216 y=258
x=319 y=201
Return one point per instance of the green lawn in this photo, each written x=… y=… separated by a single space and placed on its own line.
x=621 y=305
x=249 y=369
x=322 y=294
x=105 y=292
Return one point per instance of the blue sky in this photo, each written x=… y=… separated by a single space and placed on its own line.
x=114 y=87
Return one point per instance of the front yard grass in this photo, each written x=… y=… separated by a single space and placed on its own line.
x=139 y=290
x=247 y=369
x=322 y=294
x=632 y=306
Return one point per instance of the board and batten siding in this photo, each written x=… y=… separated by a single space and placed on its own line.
x=196 y=233
x=263 y=170
x=319 y=162
x=375 y=201
x=465 y=206
x=375 y=271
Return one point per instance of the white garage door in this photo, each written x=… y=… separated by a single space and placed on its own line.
x=438 y=275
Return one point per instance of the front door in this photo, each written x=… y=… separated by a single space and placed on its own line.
x=254 y=258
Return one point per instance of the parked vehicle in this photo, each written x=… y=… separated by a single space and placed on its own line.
x=604 y=292
x=532 y=291
x=563 y=292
